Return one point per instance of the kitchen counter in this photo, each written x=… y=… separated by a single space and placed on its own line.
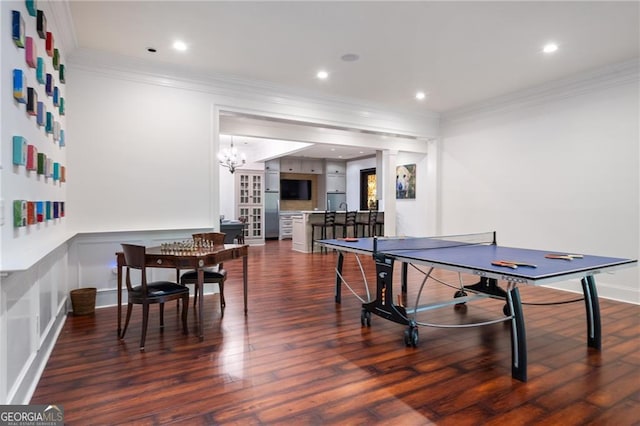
x=302 y=226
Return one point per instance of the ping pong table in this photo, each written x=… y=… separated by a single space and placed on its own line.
x=479 y=255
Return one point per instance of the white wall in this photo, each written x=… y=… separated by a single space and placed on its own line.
x=141 y=130
x=412 y=214
x=33 y=259
x=558 y=173
x=142 y=155
x=21 y=247
x=353 y=180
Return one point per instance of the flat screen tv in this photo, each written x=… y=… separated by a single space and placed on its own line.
x=295 y=189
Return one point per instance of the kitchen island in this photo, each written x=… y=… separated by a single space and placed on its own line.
x=302 y=226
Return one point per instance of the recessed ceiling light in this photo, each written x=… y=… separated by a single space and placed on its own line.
x=350 y=57
x=322 y=75
x=421 y=96
x=180 y=45
x=550 y=48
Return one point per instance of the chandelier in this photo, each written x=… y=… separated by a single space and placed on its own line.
x=231 y=158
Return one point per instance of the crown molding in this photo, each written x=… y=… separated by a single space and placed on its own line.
x=616 y=74
x=251 y=96
x=59 y=14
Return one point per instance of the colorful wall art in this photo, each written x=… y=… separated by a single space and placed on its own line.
x=37 y=160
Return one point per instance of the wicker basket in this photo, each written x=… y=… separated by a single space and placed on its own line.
x=83 y=301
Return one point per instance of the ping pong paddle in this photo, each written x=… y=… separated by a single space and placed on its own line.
x=349 y=239
x=564 y=256
x=512 y=264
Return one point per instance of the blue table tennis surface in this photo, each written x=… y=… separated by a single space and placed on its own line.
x=477 y=258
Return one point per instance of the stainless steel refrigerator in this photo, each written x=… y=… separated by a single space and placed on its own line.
x=271 y=215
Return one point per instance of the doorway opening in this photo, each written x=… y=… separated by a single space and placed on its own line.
x=368 y=189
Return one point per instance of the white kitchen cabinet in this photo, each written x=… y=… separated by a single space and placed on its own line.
x=286 y=226
x=249 y=195
x=335 y=167
x=272 y=165
x=299 y=236
x=311 y=166
x=336 y=183
x=272 y=181
x=301 y=165
x=290 y=165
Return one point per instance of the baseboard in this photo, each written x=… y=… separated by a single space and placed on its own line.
x=605 y=291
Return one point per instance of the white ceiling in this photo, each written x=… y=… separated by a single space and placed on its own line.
x=459 y=53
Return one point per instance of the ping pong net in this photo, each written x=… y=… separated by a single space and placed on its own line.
x=398 y=245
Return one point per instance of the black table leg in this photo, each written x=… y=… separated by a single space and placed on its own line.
x=245 y=281
x=338 y=295
x=594 y=332
x=518 y=337
x=200 y=275
x=119 y=297
x=403 y=277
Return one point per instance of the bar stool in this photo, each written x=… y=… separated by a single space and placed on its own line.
x=368 y=224
x=349 y=222
x=379 y=224
x=329 y=223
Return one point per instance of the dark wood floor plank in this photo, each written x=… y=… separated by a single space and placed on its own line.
x=527 y=414
x=300 y=358
x=622 y=414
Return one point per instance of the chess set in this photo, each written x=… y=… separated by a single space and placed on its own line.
x=196 y=246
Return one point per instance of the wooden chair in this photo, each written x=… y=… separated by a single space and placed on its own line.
x=148 y=293
x=349 y=222
x=328 y=223
x=215 y=275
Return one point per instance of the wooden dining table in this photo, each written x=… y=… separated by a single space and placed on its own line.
x=198 y=260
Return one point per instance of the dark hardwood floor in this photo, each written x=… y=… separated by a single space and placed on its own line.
x=299 y=358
